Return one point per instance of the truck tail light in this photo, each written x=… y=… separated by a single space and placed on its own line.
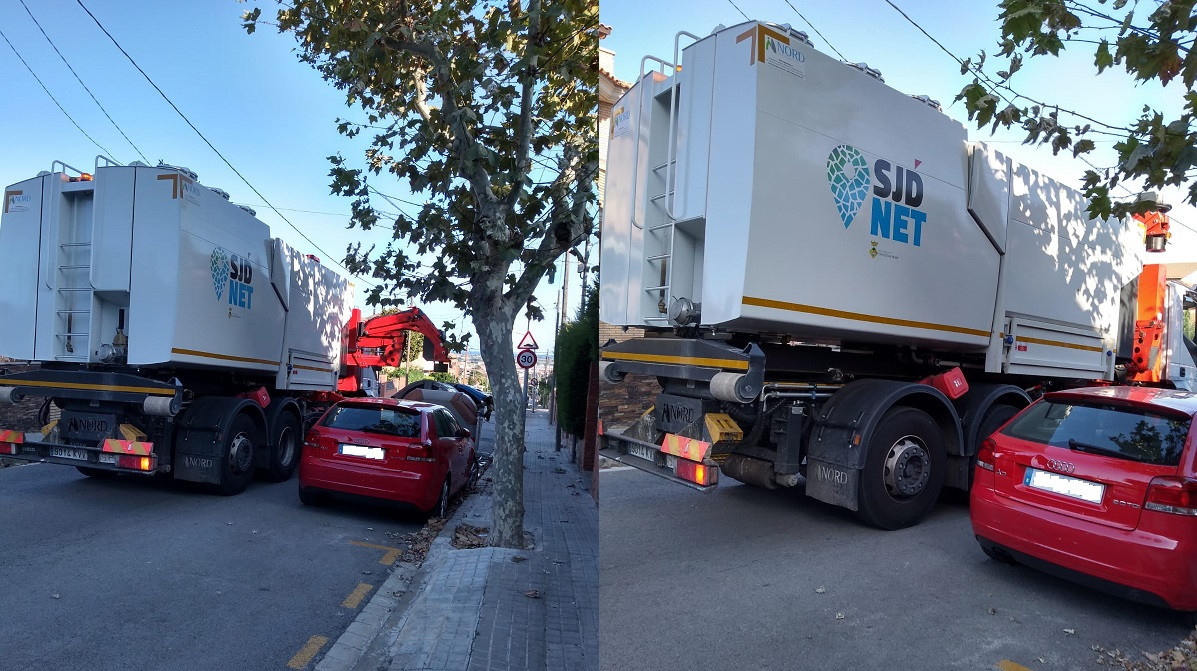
x=134 y=462
x=985 y=454
x=421 y=451
x=1167 y=494
x=699 y=474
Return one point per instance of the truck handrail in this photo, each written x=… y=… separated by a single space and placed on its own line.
x=671 y=139
x=107 y=161
x=64 y=167
x=636 y=150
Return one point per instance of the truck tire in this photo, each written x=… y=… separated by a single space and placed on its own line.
x=997 y=415
x=237 y=455
x=284 y=450
x=904 y=469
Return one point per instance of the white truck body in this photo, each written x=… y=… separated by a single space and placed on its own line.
x=200 y=281
x=754 y=228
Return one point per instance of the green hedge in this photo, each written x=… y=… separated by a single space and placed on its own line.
x=577 y=348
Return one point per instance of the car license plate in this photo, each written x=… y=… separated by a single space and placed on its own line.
x=644 y=452
x=68 y=453
x=1064 y=485
x=362 y=451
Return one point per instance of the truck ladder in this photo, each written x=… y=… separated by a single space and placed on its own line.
x=73 y=292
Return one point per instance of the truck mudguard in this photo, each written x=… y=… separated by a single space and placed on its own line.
x=844 y=427
x=201 y=432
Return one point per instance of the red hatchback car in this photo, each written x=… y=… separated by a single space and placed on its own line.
x=407 y=452
x=1099 y=486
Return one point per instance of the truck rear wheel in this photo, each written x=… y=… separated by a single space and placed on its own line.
x=904 y=469
x=237 y=455
x=284 y=450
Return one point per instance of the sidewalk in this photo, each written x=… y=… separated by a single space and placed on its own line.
x=492 y=609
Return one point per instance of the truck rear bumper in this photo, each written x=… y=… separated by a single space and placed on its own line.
x=649 y=458
x=106 y=457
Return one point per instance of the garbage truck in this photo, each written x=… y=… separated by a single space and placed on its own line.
x=839 y=291
x=175 y=335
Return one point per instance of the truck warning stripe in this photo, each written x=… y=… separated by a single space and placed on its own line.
x=862 y=317
x=1057 y=343
x=223 y=357
x=152 y=391
x=731 y=364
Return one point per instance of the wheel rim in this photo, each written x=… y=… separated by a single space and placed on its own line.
x=286 y=441
x=907 y=468
x=241 y=453
x=443 y=505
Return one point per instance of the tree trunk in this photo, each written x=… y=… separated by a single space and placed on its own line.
x=495 y=342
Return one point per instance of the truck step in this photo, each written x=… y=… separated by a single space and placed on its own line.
x=658 y=257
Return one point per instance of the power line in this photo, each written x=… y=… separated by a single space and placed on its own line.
x=80 y=80
x=812 y=27
x=733 y=4
x=60 y=107
x=217 y=151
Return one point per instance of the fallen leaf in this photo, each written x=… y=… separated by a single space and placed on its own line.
x=1041 y=660
x=54 y=596
x=532 y=594
x=1070 y=631
x=820 y=590
x=839 y=616
x=992 y=610
x=517 y=559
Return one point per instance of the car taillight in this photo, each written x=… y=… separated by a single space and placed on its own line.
x=699 y=474
x=985 y=454
x=1168 y=494
x=421 y=451
x=319 y=442
x=135 y=462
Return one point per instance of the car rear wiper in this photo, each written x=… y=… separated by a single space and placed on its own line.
x=1074 y=444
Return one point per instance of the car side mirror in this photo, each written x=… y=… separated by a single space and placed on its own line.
x=463 y=433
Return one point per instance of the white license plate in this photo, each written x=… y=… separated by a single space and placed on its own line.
x=362 y=451
x=1065 y=485
x=644 y=452
x=68 y=453
x=106 y=458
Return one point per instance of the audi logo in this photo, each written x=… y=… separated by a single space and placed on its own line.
x=1061 y=466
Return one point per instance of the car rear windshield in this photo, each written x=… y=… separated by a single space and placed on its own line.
x=402 y=422
x=1127 y=433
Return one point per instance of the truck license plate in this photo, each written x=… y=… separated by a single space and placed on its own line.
x=643 y=451
x=68 y=453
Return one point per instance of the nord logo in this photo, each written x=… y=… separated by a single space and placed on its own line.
x=87 y=425
x=677 y=413
x=198 y=462
x=831 y=475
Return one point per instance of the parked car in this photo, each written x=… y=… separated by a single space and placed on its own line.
x=408 y=452
x=485 y=401
x=1099 y=486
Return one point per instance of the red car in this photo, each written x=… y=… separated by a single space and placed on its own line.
x=407 y=452
x=1099 y=486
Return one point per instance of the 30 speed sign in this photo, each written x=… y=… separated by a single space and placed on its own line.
x=526 y=358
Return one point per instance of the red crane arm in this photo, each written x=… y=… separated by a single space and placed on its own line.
x=379 y=341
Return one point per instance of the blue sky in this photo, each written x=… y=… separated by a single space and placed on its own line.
x=872 y=31
x=270 y=115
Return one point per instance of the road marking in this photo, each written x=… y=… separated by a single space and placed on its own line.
x=391 y=556
x=1007 y=665
x=355 y=599
x=307 y=652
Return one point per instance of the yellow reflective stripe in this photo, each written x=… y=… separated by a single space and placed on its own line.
x=1057 y=343
x=862 y=317
x=223 y=357
x=91 y=387
x=686 y=448
x=731 y=364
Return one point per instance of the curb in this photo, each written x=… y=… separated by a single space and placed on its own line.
x=387 y=608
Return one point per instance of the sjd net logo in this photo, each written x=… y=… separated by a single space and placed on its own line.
x=848 y=175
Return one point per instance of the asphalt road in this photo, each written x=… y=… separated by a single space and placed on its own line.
x=133 y=574
x=731 y=579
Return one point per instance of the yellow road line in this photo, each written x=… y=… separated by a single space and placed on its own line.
x=355 y=598
x=391 y=556
x=307 y=652
x=1007 y=665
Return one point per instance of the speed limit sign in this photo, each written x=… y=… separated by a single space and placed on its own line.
x=526 y=358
